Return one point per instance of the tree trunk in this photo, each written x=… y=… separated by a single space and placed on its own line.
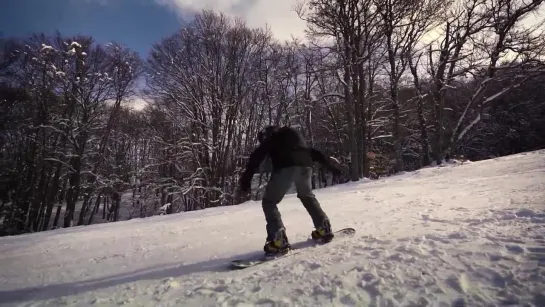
x=353 y=146
x=57 y=217
x=73 y=192
x=51 y=195
x=394 y=100
x=95 y=209
x=363 y=122
x=84 y=209
x=424 y=145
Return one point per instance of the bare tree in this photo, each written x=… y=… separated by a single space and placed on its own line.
x=505 y=33
x=65 y=82
x=202 y=79
x=454 y=60
x=420 y=96
x=352 y=25
x=404 y=24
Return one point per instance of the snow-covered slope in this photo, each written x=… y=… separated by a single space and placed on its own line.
x=459 y=235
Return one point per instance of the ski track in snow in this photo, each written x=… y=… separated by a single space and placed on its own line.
x=458 y=235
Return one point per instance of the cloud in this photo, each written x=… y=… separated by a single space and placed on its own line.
x=278 y=15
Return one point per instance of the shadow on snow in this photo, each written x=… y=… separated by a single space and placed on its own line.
x=154 y=273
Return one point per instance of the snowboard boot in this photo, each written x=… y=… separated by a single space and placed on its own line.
x=279 y=246
x=323 y=234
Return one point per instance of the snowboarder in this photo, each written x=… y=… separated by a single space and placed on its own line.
x=292 y=161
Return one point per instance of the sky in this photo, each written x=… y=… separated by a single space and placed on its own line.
x=138 y=24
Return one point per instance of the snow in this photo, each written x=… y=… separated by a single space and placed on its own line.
x=47 y=48
x=495 y=96
x=457 y=235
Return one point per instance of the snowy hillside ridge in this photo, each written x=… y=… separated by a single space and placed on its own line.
x=464 y=235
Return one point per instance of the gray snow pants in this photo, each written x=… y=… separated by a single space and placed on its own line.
x=278 y=185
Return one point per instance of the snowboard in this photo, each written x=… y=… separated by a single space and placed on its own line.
x=239 y=264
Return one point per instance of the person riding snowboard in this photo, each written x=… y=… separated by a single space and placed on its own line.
x=292 y=161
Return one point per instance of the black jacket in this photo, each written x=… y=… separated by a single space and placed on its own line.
x=286 y=147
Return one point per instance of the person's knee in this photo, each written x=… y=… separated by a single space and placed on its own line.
x=306 y=195
x=304 y=192
x=308 y=200
x=271 y=200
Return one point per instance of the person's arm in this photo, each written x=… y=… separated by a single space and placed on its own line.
x=319 y=157
x=256 y=157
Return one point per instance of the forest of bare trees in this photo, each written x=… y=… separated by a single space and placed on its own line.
x=379 y=86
